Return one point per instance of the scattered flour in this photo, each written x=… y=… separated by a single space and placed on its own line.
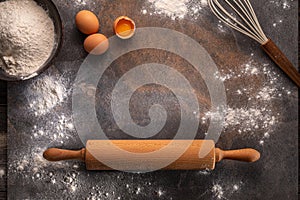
x=138 y=190
x=284 y=4
x=266 y=93
x=257 y=118
x=2 y=173
x=176 y=9
x=249 y=119
x=26 y=37
x=59 y=129
x=80 y=2
x=34 y=163
x=217 y=190
x=248 y=69
x=98 y=192
x=244 y=120
x=224 y=192
x=70 y=180
x=44 y=94
x=160 y=193
x=205 y=172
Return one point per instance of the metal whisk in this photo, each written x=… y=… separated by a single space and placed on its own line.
x=243 y=19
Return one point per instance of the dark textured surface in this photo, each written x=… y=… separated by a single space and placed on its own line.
x=3 y=137
x=273 y=177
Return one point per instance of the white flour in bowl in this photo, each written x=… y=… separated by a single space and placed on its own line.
x=26 y=37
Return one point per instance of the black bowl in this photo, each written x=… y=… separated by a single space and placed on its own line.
x=53 y=13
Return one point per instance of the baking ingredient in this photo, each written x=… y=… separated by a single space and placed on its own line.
x=217 y=190
x=44 y=94
x=124 y=27
x=257 y=118
x=245 y=119
x=87 y=22
x=284 y=4
x=96 y=44
x=26 y=37
x=176 y=9
x=224 y=191
x=2 y=173
x=160 y=193
x=59 y=129
x=80 y=2
x=173 y=9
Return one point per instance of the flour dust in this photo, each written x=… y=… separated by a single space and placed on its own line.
x=175 y=9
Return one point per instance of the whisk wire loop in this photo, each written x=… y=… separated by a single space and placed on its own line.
x=245 y=11
x=245 y=20
x=264 y=37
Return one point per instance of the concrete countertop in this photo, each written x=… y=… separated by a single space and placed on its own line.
x=246 y=72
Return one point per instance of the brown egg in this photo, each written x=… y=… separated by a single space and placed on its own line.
x=87 y=22
x=96 y=44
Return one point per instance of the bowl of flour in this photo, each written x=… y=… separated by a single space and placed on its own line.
x=30 y=37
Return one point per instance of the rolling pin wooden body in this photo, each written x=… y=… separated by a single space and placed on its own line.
x=189 y=160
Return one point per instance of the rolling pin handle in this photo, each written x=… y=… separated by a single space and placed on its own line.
x=245 y=155
x=54 y=154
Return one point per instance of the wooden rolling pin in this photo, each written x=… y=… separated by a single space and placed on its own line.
x=189 y=160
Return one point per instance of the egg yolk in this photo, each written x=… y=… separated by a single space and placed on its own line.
x=124 y=27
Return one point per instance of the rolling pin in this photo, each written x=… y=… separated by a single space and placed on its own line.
x=189 y=160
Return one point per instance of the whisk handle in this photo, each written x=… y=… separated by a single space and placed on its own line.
x=281 y=60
